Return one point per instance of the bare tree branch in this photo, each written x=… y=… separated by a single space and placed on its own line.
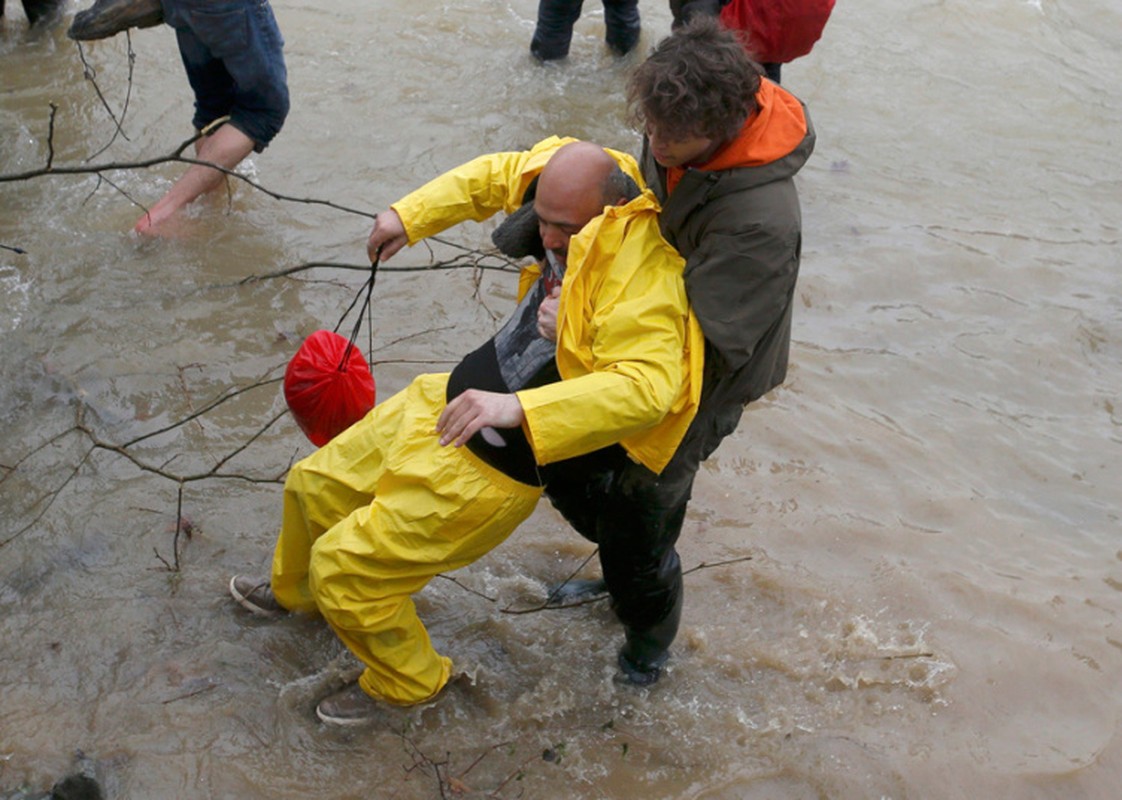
x=90 y=74
x=459 y=262
x=176 y=156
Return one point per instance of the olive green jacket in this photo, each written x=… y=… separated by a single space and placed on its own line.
x=740 y=231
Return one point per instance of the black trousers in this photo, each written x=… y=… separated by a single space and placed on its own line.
x=636 y=516
x=556 y=18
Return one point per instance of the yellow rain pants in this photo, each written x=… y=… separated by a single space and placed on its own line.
x=372 y=516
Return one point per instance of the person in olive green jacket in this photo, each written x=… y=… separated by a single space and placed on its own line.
x=721 y=150
x=438 y=475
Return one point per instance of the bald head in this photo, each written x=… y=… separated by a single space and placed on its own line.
x=576 y=184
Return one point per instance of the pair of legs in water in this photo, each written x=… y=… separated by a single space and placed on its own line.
x=556 y=18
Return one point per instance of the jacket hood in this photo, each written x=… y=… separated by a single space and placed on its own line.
x=774 y=144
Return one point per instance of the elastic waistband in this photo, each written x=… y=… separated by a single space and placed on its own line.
x=498 y=477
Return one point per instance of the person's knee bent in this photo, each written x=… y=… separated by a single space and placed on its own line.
x=581 y=500
x=328 y=582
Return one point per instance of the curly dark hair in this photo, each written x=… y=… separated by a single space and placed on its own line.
x=699 y=81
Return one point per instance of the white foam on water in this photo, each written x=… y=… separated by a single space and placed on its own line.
x=14 y=297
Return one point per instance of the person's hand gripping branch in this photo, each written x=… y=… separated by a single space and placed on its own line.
x=387 y=236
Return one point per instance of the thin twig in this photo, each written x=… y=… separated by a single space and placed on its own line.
x=249 y=441
x=90 y=74
x=463 y=773
x=34 y=450
x=162 y=560
x=230 y=395
x=121 y=192
x=545 y=604
x=54 y=494
x=178 y=524
x=196 y=693
x=925 y=654
x=513 y=775
x=707 y=565
x=51 y=137
x=180 y=370
x=466 y=588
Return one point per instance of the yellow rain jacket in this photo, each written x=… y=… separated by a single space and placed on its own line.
x=622 y=321
x=373 y=515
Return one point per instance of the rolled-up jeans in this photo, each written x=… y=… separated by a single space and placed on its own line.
x=233 y=53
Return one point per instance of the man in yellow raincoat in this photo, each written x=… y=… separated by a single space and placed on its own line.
x=442 y=472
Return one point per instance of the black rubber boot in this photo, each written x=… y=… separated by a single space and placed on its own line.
x=634 y=674
x=645 y=653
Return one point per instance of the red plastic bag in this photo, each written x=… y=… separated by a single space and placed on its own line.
x=778 y=30
x=325 y=395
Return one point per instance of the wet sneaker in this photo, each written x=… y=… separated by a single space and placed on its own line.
x=350 y=706
x=256 y=596
x=575 y=591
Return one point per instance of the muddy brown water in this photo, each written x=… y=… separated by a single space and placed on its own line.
x=930 y=504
